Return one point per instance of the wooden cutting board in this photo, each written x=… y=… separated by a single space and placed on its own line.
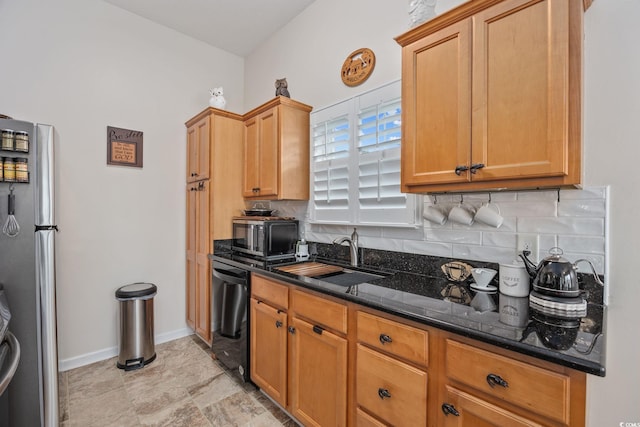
x=310 y=269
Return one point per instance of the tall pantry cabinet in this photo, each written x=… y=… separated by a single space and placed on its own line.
x=213 y=196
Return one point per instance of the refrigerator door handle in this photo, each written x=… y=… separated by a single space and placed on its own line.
x=44 y=175
x=45 y=278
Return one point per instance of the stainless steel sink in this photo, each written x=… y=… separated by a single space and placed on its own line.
x=350 y=277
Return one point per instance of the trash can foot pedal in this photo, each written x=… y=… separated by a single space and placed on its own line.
x=133 y=364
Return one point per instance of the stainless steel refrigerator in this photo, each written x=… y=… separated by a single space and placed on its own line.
x=27 y=271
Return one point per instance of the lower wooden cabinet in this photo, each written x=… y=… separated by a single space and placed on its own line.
x=269 y=350
x=198 y=266
x=297 y=360
x=317 y=374
x=331 y=363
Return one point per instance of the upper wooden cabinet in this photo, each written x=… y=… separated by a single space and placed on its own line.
x=491 y=97
x=198 y=150
x=276 y=146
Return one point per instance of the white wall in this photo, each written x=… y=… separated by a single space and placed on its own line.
x=81 y=66
x=310 y=51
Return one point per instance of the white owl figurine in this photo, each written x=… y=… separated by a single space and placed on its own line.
x=217 y=100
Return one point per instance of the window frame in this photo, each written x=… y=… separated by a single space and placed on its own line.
x=354 y=213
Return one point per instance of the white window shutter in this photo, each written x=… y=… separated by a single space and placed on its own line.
x=356 y=178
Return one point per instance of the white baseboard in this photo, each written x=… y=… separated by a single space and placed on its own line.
x=97 y=356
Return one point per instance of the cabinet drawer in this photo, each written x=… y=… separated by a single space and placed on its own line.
x=530 y=387
x=392 y=390
x=320 y=311
x=365 y=420
x=268 y=290
x=401 y=340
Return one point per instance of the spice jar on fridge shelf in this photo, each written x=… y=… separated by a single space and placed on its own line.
x=22 y=169
x=7 y=139
x=21 y=141
x=9 y=169
x=1 y=169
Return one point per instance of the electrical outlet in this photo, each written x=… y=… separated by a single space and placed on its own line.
x=528 y=242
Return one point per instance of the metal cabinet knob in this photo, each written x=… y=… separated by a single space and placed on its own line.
x=385 y=339
x=383 y=392
x=448 y=408
x=495 y=380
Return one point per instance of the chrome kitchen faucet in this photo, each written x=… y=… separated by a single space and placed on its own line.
x=353 y=246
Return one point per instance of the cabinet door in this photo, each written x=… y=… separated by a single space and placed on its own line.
x=251 y=180
x=269 y=166
x=465 y=410
x=191 y=266
x=262 y=155
x=318 y=375
x=436 y=103
x=198 y=150
x=269 y=350
x=520 y=90
x=203 y=265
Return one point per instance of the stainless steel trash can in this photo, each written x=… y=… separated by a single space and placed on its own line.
x=137 y=347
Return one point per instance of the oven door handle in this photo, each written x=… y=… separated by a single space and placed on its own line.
x=14 y=347
x=229 y=276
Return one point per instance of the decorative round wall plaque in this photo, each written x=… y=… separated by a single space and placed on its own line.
x=358 y=67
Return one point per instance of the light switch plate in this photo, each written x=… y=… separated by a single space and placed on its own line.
x=529 y=242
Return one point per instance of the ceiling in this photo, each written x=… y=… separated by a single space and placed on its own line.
x=232 y=25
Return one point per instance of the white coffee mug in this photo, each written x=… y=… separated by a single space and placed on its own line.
x=435 y=214
x=489 y=214
x=462 y=214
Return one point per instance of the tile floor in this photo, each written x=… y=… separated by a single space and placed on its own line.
x=184 y=386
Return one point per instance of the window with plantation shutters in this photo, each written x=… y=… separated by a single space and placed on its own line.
x=356 y=162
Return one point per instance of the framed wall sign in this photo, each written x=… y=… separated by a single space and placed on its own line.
x=124 y=147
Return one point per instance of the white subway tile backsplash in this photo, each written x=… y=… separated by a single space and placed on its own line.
x=499 y=239
x=454 y=236
x=583 y=244
x=576 y=224
x=428 y=248
x=546 y=242
x=484 y=253
x=403 y=233
x=538 y=195
x=564 y=225
x=395 y=245
x=529 y=208
x=582 y=208
x=583 y=267
x=585 y=193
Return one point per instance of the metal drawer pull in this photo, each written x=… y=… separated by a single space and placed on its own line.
x=383 y=392
x=474 y=168
x=460 y=169
x=448 y=408
x=317 y=329
x=385 y=339
x=291 y=330
x=495 y=380
x=278 y=324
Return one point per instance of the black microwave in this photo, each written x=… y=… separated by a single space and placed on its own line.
x=265 y=238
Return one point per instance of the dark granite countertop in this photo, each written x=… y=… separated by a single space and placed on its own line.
x=413 y=287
